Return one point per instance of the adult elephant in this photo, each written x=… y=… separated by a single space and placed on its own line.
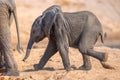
x=78 y=30
x=7 y=12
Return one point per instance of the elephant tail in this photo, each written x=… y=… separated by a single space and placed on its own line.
x=103 y=37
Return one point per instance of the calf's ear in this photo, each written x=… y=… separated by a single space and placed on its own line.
x=48 y=21
x=49 y=17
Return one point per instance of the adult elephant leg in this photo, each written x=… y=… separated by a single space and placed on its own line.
x=5 y=39
x=49 y=52
x=2 y=62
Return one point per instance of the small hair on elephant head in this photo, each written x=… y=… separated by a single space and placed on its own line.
x=42 y=26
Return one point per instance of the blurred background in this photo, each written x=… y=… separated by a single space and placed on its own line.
x=107 y=11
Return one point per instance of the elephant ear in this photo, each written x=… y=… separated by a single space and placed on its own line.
x=48 y=18
x=48 y=21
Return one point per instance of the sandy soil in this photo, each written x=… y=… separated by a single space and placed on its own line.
x=54 y=68
x=28 y=10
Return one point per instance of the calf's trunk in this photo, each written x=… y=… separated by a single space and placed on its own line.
x=29 y=46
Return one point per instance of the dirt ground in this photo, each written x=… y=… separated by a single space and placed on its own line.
x=28 y=10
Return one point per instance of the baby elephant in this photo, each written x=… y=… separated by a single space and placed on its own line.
x=78 y=30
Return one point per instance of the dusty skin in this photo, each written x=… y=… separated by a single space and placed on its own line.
x=28 y=10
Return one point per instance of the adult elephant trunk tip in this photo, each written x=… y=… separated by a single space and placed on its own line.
x=28 y=49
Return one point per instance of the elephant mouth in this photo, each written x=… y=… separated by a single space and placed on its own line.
x=38 y=39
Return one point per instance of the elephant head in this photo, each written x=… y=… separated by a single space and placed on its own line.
x=42 y=26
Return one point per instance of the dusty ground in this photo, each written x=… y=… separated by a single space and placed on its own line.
x=28 y=10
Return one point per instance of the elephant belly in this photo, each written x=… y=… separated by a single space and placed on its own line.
x=74 y=43
x=74 y=39
x=75 y=36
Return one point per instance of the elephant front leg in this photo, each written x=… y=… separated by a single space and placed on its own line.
x=50 y=51
x=65 y=59
x=63 y=49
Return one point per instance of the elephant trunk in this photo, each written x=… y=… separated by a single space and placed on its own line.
x=19 y=47
x=30 y=43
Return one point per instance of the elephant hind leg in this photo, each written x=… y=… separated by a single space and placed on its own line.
x=102 y=57
x=86 y=44
x=86 y=62
x=86 y=53
x=98 y=55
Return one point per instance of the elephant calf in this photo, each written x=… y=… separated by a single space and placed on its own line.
x=78 y=30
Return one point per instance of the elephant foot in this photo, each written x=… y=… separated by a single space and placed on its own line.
x=68 y=69
x=104 y=64
x=10 y=73
x=73 y=67
x=2 y=66
x=107 y=66
x=83 y=67
x=37 y=67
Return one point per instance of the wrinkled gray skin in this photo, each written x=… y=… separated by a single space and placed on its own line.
x=7 y=13
x=78 y=30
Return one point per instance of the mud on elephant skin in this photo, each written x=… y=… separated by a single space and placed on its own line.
x=78 y=30
x=7 y=13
